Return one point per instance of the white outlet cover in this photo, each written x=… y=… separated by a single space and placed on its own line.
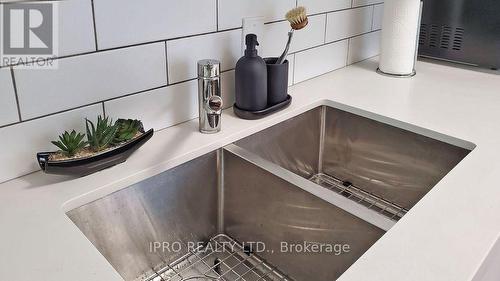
x=253 y=25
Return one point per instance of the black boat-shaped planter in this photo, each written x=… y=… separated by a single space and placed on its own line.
x=91 y=164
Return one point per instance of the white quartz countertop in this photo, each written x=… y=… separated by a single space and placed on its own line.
x=446 y=236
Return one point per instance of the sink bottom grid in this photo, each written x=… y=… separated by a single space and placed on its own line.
x=222 y=258
x=369 y=200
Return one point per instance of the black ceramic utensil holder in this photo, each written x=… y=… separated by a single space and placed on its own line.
x=277 y=91
x=277 y=81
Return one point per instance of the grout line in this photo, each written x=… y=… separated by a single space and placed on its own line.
x=373 y=15
x=195 y=78
x=326 y=28
x=336 y=41
x=10 y=124
x=275 y=21
x=95 y=26
x=14 y=84
x=166 y=60
x=217 y=15
x=59 y=112
x=182 y=81
x=103 y=110
x=135 y=93
x=348 y=48
x=340 y=10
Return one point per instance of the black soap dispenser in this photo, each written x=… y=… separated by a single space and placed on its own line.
x=251 y=78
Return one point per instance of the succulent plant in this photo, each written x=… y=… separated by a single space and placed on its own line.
x=101 y=135
x=127 y=129
x=70 y=143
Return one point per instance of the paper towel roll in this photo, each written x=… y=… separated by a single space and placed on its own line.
x=400 y=27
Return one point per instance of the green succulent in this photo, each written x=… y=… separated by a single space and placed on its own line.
x=101 y=135
x=127 y=129
x=70 y=143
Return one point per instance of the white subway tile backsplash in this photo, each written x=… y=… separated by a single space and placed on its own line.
x=232 y=12
x=183 y=54
x=8 y=106
x=76 y=27
x=126 y=22
x=90 y=78
x=276 y=36
x=363 y=47
x=26 y=139
x=158 y=108
x=155 y=43
x=357 y=3
x=348 y=23
x=320 y=60
x=321 y=6
x=378 y=13
x=227 y=88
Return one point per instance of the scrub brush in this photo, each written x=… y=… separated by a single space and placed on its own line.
x=298 y=20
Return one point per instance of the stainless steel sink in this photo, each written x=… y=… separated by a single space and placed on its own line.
x=326 y=178
x=361 y=158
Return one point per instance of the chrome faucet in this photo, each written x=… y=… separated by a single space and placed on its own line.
x=209 y=96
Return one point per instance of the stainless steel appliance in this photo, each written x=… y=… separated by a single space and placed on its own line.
x=465 y=31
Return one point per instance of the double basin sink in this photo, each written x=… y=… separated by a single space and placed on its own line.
x=301 y=200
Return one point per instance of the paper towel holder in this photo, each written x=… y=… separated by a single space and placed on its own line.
x=414 y=72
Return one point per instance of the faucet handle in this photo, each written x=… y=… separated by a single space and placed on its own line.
x=214 y=105
x=213 y=108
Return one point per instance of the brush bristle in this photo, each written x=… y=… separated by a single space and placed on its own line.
x=296 y=16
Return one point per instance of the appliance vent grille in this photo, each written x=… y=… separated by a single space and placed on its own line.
x=434 y=35
x=458 y=39
x=443 y=37
x=423 y=34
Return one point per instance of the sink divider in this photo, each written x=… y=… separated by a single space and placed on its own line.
x=322 y=134
x=220 y=191
x=358 y=210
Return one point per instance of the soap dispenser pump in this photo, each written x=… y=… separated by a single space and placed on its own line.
x=251 y=78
